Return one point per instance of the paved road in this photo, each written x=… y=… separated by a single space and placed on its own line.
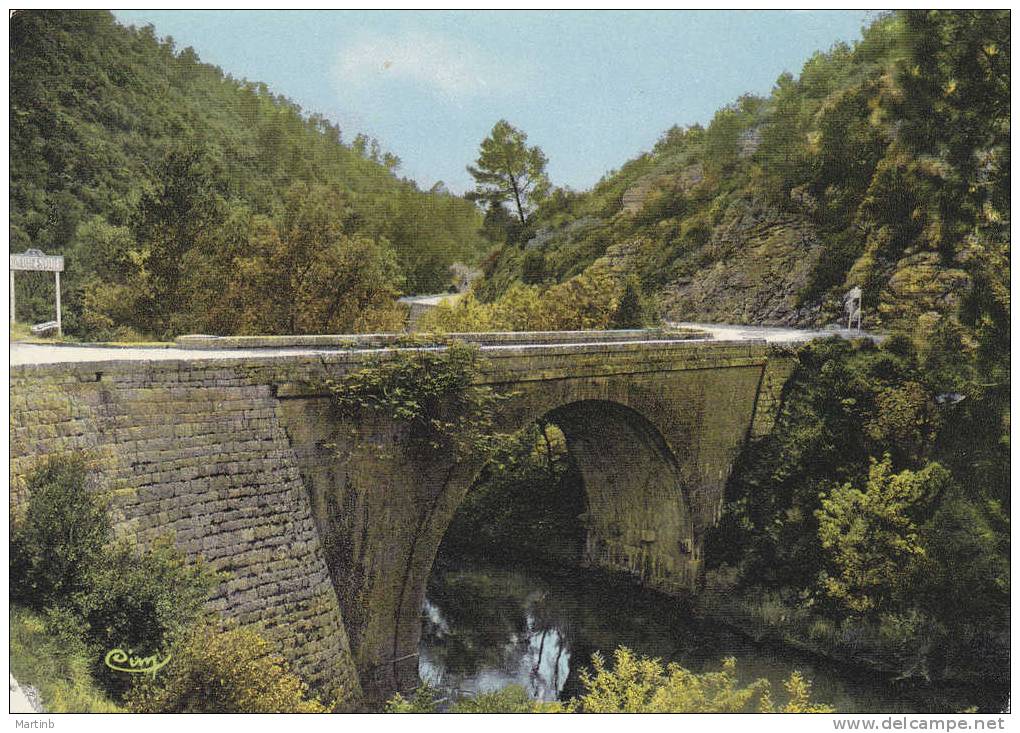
x=59 y=354
x=432 y=299
x=773 y=334
x=53 y=354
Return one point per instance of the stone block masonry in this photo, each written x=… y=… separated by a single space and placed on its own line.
x=329 y=541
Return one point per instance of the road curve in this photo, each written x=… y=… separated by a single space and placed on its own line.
x=773 y=334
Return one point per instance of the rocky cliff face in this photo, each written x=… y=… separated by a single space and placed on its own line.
x=758 y=261
x=755 y=264
x=920 y=286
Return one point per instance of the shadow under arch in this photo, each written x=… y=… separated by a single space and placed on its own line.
x=638 y=518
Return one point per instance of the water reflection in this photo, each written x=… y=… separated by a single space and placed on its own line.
x=482 y=631
x=485 y=627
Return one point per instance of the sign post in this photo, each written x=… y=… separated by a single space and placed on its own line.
x=852 y=303
x=33 y=260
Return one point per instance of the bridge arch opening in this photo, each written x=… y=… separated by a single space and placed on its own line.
x=528 y=502
x=610 y=496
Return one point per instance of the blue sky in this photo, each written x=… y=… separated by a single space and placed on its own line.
x=593 y=89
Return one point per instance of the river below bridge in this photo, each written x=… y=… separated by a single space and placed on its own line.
x=485 y=627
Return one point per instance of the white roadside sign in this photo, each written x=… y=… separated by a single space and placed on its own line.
x=34 y=260
x=37 y=262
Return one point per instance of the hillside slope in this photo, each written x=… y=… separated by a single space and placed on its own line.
x=885 y=165
x=102 y=115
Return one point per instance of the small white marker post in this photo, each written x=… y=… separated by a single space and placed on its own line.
x=852 y=302
x=56 y=275
x=33 y=260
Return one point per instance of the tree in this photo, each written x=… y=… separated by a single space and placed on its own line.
x=360 y=145
x=391 y=161
x=872 y=535
x=631 y=311
x=964 y=575
x=178 y=212
x=508 y=170
x=956 y=86
x=310 y=272
x=61 y=538
x=498 y=224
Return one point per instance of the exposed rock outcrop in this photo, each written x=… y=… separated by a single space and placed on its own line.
x=757 y=262
x=684 y=180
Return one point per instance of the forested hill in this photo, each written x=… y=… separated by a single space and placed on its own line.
x=186 y=200
x=884 y=165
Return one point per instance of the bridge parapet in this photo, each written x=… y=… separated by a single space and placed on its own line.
x=403 y=340
x=300 y=370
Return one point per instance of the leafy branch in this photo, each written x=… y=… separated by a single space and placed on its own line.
x=434 y=393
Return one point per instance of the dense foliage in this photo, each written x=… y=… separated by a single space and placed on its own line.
x=525 y=504
x=641 y=685
x=141 y=601
x=98 y=594
x=879 y=505
x=60 y=669
x=870 y=535
x=216 y=670
x=433 y=393
x=183 y=198
x=62 y=538
x=634 y=684
x=596 y=299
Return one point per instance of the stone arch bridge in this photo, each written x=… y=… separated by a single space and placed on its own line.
x=232 y=447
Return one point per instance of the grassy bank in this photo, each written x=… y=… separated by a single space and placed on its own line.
x=22 y=333
x=923 y=659
x=59 y=671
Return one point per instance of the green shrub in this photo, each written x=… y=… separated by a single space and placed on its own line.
x=96 y=596
x=140 y=601
x=635 y=684
x=59 y=541
x=64 y=626
x=642 y=685
x=872 y=536
x=964 y=573
x=47 y=652
x=215 y=670
x=586 y=301
x=433 y=393
x=422 y=701
x=632 y=311
x=510 y=699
